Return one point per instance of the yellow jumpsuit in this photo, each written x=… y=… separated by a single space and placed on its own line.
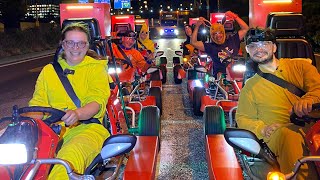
x=90 y=82
x=262 y=103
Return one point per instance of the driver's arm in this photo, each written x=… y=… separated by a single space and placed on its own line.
x=139 y=61
x=194 y=42
x=246 y=115
x=311 y=85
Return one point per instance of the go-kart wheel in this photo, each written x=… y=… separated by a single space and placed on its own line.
x=156 y=92
x=56 y=114
x=198 y=92
x=155 y=76
x=163 y=70
x=163 y=60
x=214 y=120
x=175 y=74
x=149 y=121
x=192 y=74
x=176 y=60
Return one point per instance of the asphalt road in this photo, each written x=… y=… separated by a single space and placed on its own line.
x=182 y=154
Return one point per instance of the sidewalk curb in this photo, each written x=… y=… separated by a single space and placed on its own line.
x=21 y=57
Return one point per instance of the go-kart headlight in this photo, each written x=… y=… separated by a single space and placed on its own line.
x=211 y=79
x=176 y=31
x=239 y=68
x=13 y=154
x=185 y=59
x=161 y=32
x=275 y=176
x=112 y=70
x=204 y=31
x=203 y=56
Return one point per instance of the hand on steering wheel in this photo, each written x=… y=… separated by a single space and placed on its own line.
x=56 y=114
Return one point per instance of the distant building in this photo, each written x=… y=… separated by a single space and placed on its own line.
x=44 y=10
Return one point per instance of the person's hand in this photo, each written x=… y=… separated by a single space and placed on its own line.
x=70 y=118
x=302 y=107
x=200 y=21
x=231 y=15
x=270 y=129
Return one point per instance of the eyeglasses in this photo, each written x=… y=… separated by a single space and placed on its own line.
x=72 y=44
x=260 y=44
x=131 y=38
x=132 y=34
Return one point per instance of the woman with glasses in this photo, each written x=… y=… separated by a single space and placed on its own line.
x=89 y=79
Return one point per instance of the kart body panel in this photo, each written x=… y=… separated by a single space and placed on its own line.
x=143 y=158
x=313 y=142
x=47 y=144
x=221 y=159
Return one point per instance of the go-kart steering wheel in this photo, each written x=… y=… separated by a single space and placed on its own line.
x=312 y=116
x=124 y=62
x=56 y=114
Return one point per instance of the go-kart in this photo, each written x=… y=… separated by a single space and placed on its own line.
x=211 y=91
x=28 y=147
x=251 y=155
x=135 y=113
x=189 y=61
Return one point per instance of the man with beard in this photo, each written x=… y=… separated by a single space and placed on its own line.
x=220 y=48
x=264 y=107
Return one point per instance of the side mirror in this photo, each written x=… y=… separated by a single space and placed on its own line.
x=115 y=145
x=245 y=140
x=201 y=69
x=242 y=139
x=152 y=70
x=159 y=53
x=179 y=53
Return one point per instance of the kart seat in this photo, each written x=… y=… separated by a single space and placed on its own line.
x=93 y=25
x=290 y=33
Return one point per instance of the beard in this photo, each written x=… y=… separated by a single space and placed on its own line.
x=262 y=57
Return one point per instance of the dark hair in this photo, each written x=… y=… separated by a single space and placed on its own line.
x=258 y=34
x=77 y=26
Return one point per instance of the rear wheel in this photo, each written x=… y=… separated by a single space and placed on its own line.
x=156 y=92
x=163 y=70
x=175 y=74
x=163 y=60
x=149 y=121
x=214 y=120
x=192 y=74
x=198 y=92
x=176 y=60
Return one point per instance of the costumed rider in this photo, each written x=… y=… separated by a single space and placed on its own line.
x=145 y=45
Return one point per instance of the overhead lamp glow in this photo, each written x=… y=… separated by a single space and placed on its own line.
x=79 y=7
x=276 y=1
x=13 y=154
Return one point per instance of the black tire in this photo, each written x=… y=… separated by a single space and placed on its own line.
x=176 y=60
x=163 y=70
x=156 y=92
x=149 y=121
x=155 y=76
x=198 y=92
x=163 y=60
x=214 y=120
x=175 y=74
x=192 y=74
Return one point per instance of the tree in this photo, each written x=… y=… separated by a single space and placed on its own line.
x=12 y=12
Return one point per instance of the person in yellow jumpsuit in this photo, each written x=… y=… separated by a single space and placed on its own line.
x=264 y=107
x=81 y=142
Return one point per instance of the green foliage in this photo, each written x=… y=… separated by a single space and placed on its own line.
x=29 y=40
x=311 y=10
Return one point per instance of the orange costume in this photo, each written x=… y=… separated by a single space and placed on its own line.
x=137 y=60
